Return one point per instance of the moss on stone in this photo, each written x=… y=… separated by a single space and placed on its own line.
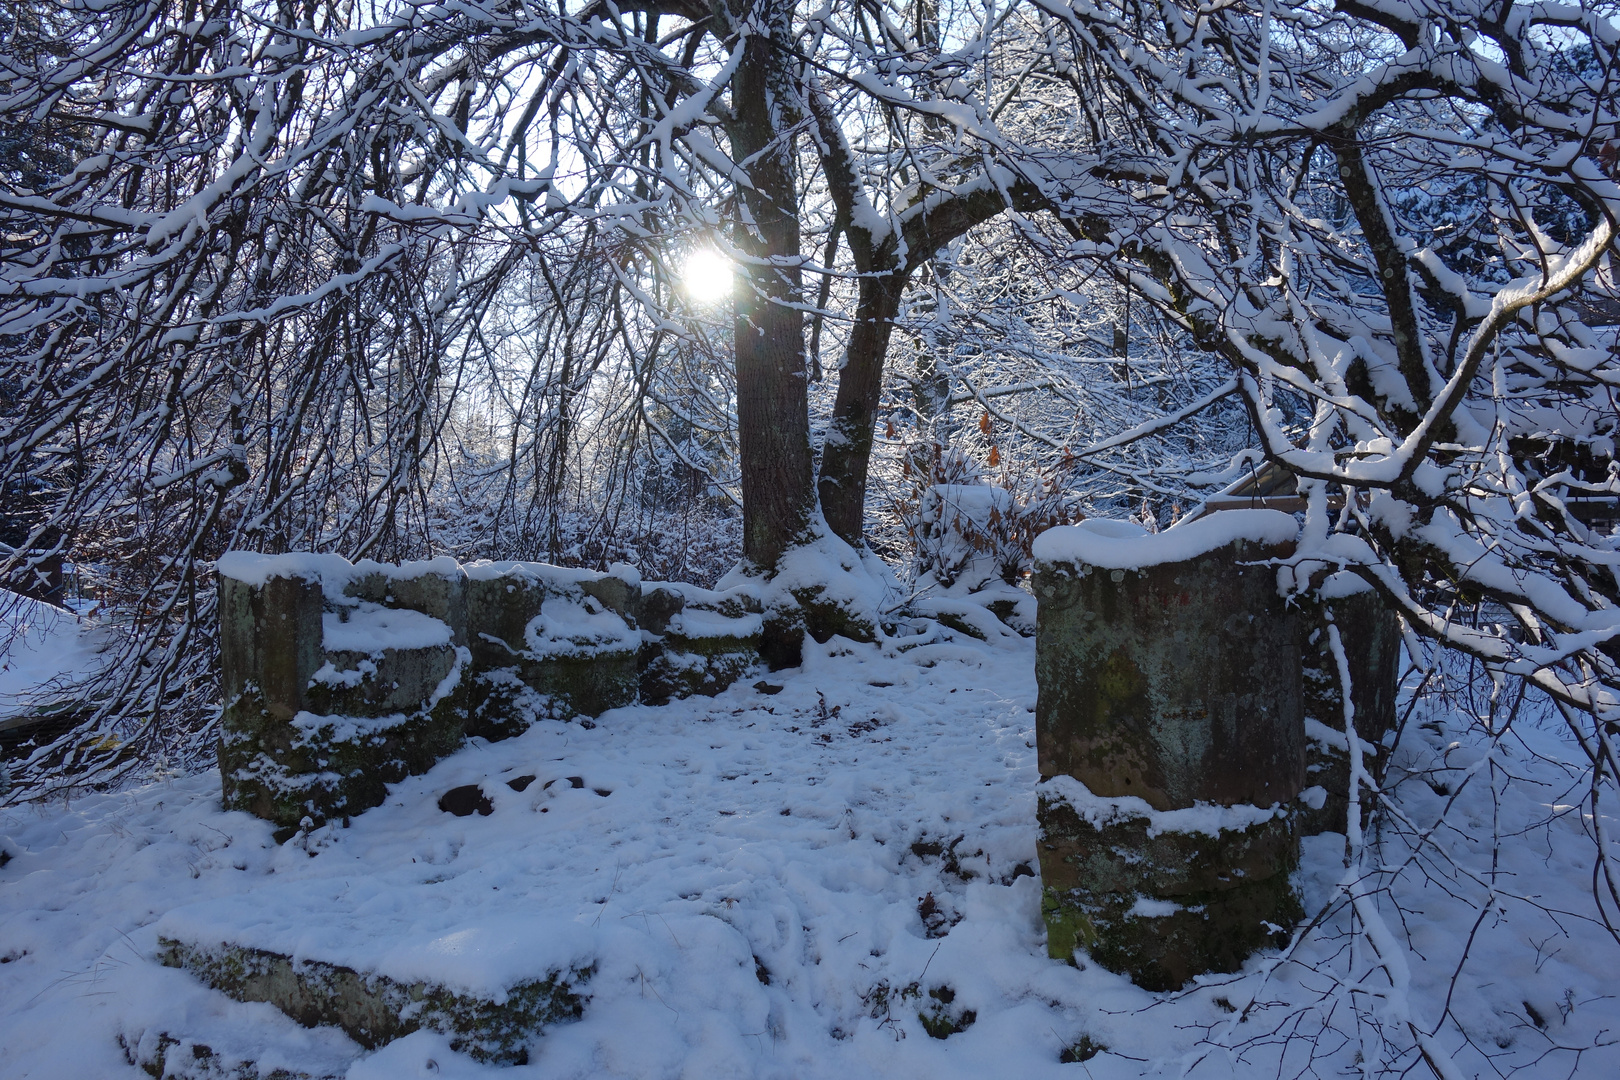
x=1211 y=901
x=1205 y=932
x=825 y=617
x=374 y=1009
x=941 y=1017
x=588 y=684
x=1068 y=929
x=1176 y=684
x=283 y=773
x=499 y=610
x=680 y=667
x=379 y=684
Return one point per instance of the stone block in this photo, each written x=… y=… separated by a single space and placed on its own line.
x=270 y=643
x=564 y=642
x=1162 y=897
x=695 y=641
x=374 y=1009
x=1176 y=683
x=270 y=646
x=1171 y=742
x=324 y=767
x=330 y=697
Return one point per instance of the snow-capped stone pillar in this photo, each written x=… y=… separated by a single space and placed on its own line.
x=1171 y=742
x=335 y=681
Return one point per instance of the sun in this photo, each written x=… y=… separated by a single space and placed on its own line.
x=706 y=276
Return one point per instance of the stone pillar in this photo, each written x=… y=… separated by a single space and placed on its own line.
x=270 y=647
x=330 y=695
x=1171 y=743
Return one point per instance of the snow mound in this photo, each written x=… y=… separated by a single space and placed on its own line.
x=42 y=647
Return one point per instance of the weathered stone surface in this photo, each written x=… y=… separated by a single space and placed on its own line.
x=1215 y=933
x=270 y=646
x=308 y=733
x=379 y=684
x=1175 y=683
x=695 y=641
x=270 y=643
x=527 y=664
x=1162 y=905
x=1172 y=693
x=332 y=691
x=439 y=592
x=324 y=767
x=373 y=1009
x=826 y=616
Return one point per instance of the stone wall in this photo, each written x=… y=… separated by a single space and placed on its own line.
x=339 y=679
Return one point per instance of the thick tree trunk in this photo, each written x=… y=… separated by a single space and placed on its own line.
x=773 y=395
x=773 y=413
x=847 y=454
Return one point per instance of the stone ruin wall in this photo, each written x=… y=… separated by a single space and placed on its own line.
x=1189 y=730
x=1189 y=722
x=339 y=679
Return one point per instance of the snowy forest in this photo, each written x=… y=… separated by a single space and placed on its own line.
x=824 y=315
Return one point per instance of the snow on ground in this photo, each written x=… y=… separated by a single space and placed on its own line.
x=752 y=888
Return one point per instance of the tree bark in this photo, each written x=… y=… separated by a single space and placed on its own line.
x=847 y=454
x=773 y=407
x=773 y=393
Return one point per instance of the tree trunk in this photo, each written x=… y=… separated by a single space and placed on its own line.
x=773 y=394
x=847 y=454
x=773 y=407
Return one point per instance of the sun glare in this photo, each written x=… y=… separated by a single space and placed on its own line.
x=706 y=276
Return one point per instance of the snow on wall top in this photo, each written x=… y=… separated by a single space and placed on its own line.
x=484 y=570
x=695 y=623
x=567 y=627
x=1120 y=545
x=252 y=568
x=334 y=572
x=371 y=628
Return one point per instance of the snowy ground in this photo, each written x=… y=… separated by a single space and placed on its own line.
x=752 y=890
